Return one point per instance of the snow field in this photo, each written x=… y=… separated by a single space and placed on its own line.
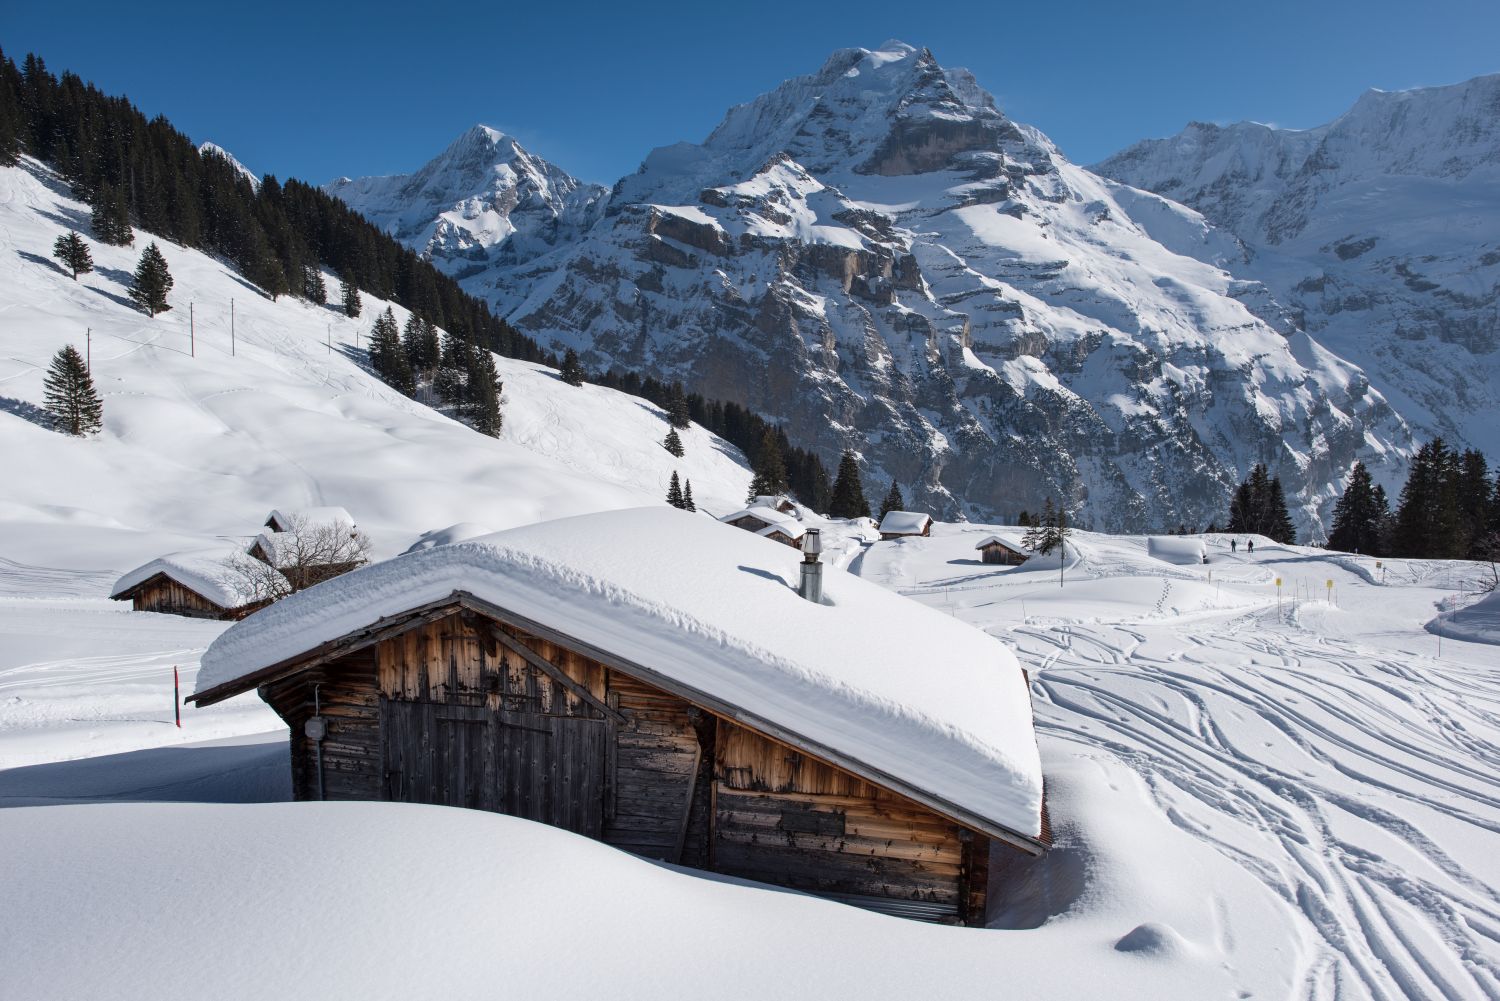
x=1321 y=748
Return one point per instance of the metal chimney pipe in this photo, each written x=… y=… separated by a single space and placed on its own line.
x=812 y=568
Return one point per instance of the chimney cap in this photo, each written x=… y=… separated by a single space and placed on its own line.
x=812 y=543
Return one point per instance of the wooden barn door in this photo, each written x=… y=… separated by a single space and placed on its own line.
x=540 y=767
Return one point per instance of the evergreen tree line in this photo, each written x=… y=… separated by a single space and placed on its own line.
x=1259 y=508
x=450 y=371
x=144 y=173
x=1449 y=508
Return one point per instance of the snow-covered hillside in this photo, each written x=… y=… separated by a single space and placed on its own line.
x=877 y=256
x=1379 y=230
x=200 y=443
x=481 y=202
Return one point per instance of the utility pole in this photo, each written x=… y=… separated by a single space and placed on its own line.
x=192 y=334
x=231 y=328
x=330 y=339
x=88 y=350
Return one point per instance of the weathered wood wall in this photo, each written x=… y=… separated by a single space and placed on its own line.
x=786 y=818
x=1001 y=555
x=350 y=704
x=162 y=594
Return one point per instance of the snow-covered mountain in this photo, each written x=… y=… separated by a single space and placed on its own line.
x=1379 y=230
x=483 y=201
x=214 y=149
x=877 y=256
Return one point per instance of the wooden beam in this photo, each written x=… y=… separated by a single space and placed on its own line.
x=557 y=674
x=332 y=650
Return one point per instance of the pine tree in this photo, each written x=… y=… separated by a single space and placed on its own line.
x=386 y=356
x=69 y=395
x=313 y=288
x=770 y=469
x=152 y=282
x=349 y=296
x=111 y=218
x=1356 y=517
x=1473 y=489
x=420 y=342
x=673 y=444
x=1279 y=525
x=848 y=491
x=893 y=500
x=674 y=492
x=74 y=254
x=677 y=411
x=687 y=496
x=482 y=405
x=572 y=372
x=1032 y=540
x=1427 y=516
x=1046 y=529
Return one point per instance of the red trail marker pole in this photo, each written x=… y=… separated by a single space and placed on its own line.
x=176 y=697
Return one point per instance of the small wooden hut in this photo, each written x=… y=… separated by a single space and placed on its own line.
x=994 y=549
x=778 y=502
x=769 y=523
x=900 y=524
x=289 y=518
x=651 y=680
x=202 y=585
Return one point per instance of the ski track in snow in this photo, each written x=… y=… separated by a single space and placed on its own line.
x=1359 y=783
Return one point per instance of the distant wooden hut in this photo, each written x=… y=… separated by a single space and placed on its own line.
x=665 y=690
x=301 y=559
x=778 y=502
x=900 y=524
x=769 y=523
x=287 y=519
x=994 y=549
x=201 y=584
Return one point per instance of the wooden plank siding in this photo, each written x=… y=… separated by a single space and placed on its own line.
x=445 y=713
x=163 y=594
x=830 y=832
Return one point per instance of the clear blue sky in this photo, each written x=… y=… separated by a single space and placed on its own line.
x=314 y=91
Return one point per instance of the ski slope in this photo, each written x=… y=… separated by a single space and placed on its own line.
x=1318 y=743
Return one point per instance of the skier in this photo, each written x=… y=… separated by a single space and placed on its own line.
x=1250 y=546
x=1234 y=545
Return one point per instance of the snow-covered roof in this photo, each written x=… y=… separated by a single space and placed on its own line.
x=998 y=540
x=904 y=523
x=279 y=548
x=773 y=518
x=282 y=518
x=204 y=571
x=1183 y=550
x=775 y=501
x=908 y=696
x=460 y=532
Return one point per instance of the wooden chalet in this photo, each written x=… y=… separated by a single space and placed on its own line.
x=778 y=502
x=769 y=523
x=485 y=675
x=1002 y=551
x=900 y=524
x=301 y=564
x=286 y=519
x=200 y=585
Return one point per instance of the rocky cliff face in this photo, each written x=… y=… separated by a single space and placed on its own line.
x=484 y=202
x=1379 y=231
x=877 y=256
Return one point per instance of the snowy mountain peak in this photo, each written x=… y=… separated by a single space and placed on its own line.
x=1377 y=230
x=213 y=149
x=484 y=200
x=879 y=259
